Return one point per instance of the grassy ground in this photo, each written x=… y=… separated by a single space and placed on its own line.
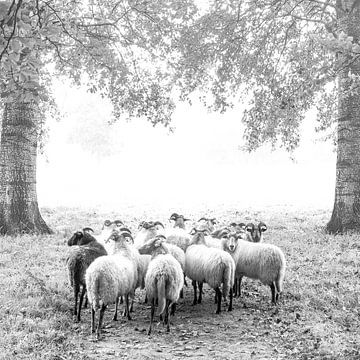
x=318 y=316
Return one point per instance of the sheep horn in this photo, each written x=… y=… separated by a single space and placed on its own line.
x=86 y=229
x=107 y=223
x=161 y=236
x=158 y=223
x=126 y=234
x=118 y=222
x=262 y=226
x=250 y=227
x=125 y=229
x=174 y=216
x=224 y=232
x=203 y=219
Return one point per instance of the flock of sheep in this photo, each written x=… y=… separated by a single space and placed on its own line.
x=109 y=268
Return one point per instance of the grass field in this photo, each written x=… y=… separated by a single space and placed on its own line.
x=318 y=316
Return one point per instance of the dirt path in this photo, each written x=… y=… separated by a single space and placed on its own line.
x=196 y=332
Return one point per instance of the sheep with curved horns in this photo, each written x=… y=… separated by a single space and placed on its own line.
x=209 y=224
x=178 y=235
x=210 y=265
x=106 y=231
x=147 y=230
x=110 y=277
x=179 y=220
x=265 y=262
x=164 y=279
x=86 y=250
x=255 y=233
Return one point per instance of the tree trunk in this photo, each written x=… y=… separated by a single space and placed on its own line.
x=19 y=211
x=346 y=211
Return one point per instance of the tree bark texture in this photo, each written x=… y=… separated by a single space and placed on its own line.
x=19 y=211
x=346 y=211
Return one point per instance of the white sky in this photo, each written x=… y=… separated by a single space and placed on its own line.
x=88 y=163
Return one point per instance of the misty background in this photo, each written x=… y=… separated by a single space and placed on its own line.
x=88 y=162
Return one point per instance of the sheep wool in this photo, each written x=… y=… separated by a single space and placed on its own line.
x=262 y=261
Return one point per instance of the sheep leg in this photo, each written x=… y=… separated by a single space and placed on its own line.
x=185 y=282
x=173 y=309
x=83 y=291
x=195 y=295
x=116 y=309
x=86 y=302
x=101 y=317
x=239 y=286
x=127 y=306
x=146 y=299
x=235 y=287
x=231 y=300
x=200 y=292
x=121 y=300
x=218 y=294
x=181 y=294
x=151 y=315
x=92 y=320
x=273 y=298
x=132 y=305
x=76 y=292
x=167 y=315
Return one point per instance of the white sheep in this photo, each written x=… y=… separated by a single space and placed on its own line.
x=147 y=230
x=210 y=265
x=178 y=235
x=164 y=279
x=265 y=262
x=208 y=224
x=112 y=276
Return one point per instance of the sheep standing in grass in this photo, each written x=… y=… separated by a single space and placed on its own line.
x=265 y=262
x=210 y=265
x=178 y=235
x=86 y=250
x=110 y=277
x=164 y=279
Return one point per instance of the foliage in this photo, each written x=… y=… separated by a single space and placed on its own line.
x=281 y=54
x=317 y=317
x=110 y=41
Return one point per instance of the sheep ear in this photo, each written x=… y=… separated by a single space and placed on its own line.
x=206 y=232
x=250 y=227
x=125 y=229
x=213 y=221
x=186 y=219
x=262 y=227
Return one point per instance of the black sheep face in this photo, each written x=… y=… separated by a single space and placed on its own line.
x=75 y=239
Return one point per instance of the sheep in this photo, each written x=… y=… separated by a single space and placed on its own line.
x=78 y=261
x=110 y=277
x=210 y=265
x=209 y=224
x=255 y=233
x=147 y=231
x=178 y=235
x=164 y=279
x=179 y=220
x=265 y=262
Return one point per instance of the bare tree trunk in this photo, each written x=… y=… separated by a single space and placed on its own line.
x=346 y=212
x=19 y=211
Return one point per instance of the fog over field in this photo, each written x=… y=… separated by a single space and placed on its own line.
x=88 y=163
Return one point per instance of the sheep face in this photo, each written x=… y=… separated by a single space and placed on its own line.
x=120 y=237
x=198 y=236
x=179 y=220
x=74 y=240
x=255 y=232
x=230 y=240
x=150 y=225
x=153 y=245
